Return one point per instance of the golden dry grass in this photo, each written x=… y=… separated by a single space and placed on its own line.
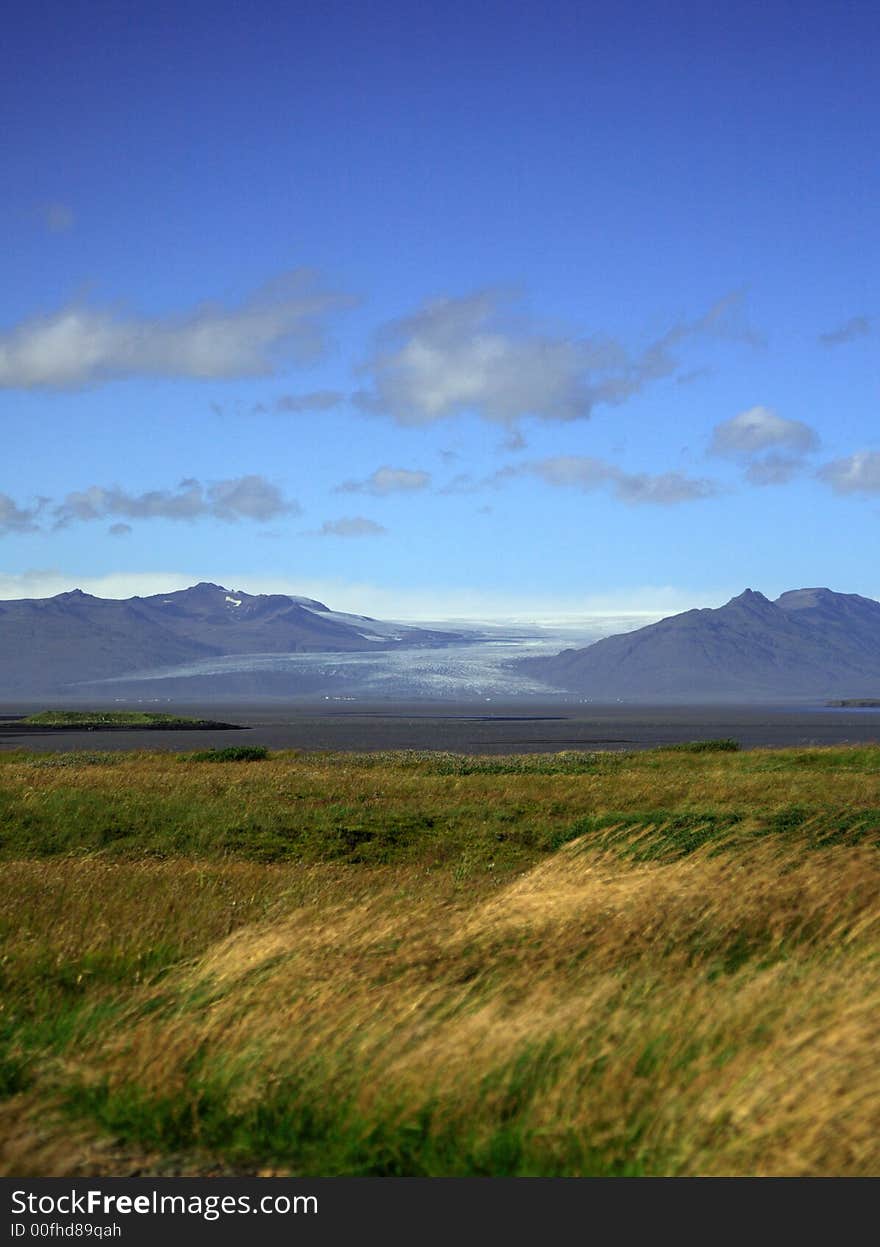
x=628 y=1003
x=614 y=983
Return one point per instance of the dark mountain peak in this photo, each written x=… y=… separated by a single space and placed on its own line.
x=751 y=603
x=204 y=594
x=750 y=597
x=206 y=586
x=73 y=596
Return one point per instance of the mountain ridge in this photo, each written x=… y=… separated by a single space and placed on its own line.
x=806 y=643
x=52 y=644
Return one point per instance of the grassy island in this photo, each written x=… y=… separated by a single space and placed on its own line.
x=657 y=963
x=115 y=718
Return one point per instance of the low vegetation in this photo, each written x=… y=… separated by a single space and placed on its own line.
x=233 y=753
x=97 y=719
x=105 y=718
x=570 y=964
x=725 y=745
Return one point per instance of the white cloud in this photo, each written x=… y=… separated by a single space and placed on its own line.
x=666 y=489
x=78 y=345
x=760 y=429
x=351 y=526
x=855 y=474
x=249 y=497
x=387 y=480
x=470 y=354
x=634 y=488
x=241 y=498
x=244 y=497
x=770 y=449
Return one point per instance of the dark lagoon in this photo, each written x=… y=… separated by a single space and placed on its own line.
x=481 y=727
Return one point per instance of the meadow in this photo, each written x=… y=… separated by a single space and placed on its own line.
x=653 y=963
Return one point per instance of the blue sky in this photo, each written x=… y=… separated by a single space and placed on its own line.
x=478 y=309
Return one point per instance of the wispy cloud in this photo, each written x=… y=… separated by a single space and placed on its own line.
x=854 y=474
x=472 y=353
x=513 y=441
x=634 y=488
x=351 y=526
x=462 y=483
x=120 y=530
x=694 y=375
x=770 y=448
x=387 y=480
x=855 y=327
x=17 y=519
x=318 y=400
x=81 y=345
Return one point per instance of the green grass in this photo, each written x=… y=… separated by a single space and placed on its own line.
x=724 y=745
x=232 y=753
x=77 y=758
x=295 y=1124
x=107 y=718
x=433 y=809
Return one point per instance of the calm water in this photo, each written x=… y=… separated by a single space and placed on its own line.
x=485 y=727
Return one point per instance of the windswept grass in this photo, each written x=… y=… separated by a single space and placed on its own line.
x=658 y=964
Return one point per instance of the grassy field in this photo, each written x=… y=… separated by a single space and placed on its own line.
x=573 y=964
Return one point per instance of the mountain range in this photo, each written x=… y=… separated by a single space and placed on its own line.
x=58 y=644
x=210 y=643
x=806 y=643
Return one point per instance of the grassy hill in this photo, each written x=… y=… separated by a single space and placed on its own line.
x=652 y=963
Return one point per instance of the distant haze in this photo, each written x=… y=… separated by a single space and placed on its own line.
x=437 y=602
